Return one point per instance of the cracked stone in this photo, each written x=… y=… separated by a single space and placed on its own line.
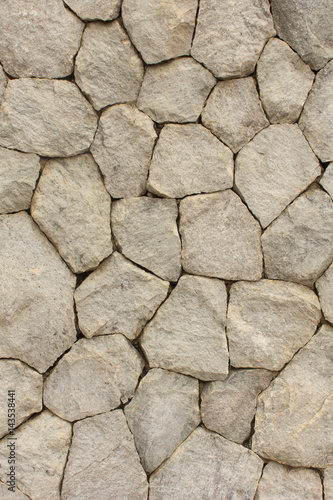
x=91 y=10
x=324 y=286
x=327 y=180
x=5 y=494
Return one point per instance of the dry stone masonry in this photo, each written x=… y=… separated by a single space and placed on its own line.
x=166 y=250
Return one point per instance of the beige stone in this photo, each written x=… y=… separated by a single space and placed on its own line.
x=327 y=180
x=324 y=286
x=5 y=494
x=328 y=483
x=3 y=82
x=90 y=10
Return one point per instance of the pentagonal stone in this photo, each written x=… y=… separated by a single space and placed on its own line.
x=327 y=180
x=268 y=321
x=103 y=458
x=228 y=406
x=36 y=289
x=72 y=207
x=118 y=297
x=145 y=230
x=89 y=10
x=274 y=168
x=48 y=117
x=207 y=466
x=233 y=112
x=188 y=159
x=231 y=35
x=18 y=176
x=324 y=286
x=27 y=385
x=328 y=483
x=175 y=91
x=41 y=448
x=298 y=245
x=316 y=121
x=122 y=147
x=187 y=334
x=49 y=33
x=220 y=237
x=284 y=82
x=304 y=390
x=3 y=82
x=95 y=376
x=107 y=68
x=160 y=30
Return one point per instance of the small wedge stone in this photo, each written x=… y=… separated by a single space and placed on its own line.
x=324 y=286
x=327 y=180
x=328 y=483
x=90 y=10
x=3 y=82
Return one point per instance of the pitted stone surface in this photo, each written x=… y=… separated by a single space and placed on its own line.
x=90 y=10
x=327 y=180
x=324 y=287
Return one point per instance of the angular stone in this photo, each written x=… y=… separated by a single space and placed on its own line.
x=298 y=245
x=188 y=159
x=122 y=147
x=72 y=207
x=107 y=68
x=324 y=286
x=95 y=376
x=36 y=290
x=284 y=82
x=187 y=334
x=18 y=176
x=328 y=483
x=268 y=321
x=90 y=10
x=162 y=413
x=118 y=297
x=42 y=448
x=145 y=230
x=274 y=168
x=327 y=180
x=316 y=121
x=207 y=466
x=160 y=30
x=5 y=494
x=220 y=238
x=28 y=387
x=228 y=406
x=233 y=112
x=3 y=82
x=306 y=29
x=38 y=38
x=230 y=35
x=103 y=458
x=47 y=117
x=304 y=390
x=175 y=91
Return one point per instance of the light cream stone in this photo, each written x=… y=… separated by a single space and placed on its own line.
x=122 y=147
x=90 y=10
x=103 y=458
x=220 y=238
x=6 y=494
x=233 y=112
x=118 y=297
x=188 y=159
x=47 y=117
x=324 y=286
x=36 y=290
x=328 y=483
x=187 y=334
x=146 y=232
x=327 y=180
x=3 y=82
x=175 y=91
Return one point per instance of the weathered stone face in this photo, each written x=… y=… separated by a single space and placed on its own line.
x=90 y=10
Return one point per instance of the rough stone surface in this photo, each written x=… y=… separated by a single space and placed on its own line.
x=28 y=387
x=188 y=159
x=5 y=494
x=3 y=82
x=38 y=38
x=95 y=376
x=220 y=238
x=274 y=168
x=90 y=10
x=304 y=390
x=47 y=117
x=187 y=334
x=298 y=246
x=284 y=82
x=324 y=286
x=228 y=406
x=118 y=297
x=72 y=207
x=207 y=466
x=18 y=176
x=268 y=321
x=43 y=448
x=107 y=68
x=103 y=458
x=175 y=91
x=327 y=180
x=307 y=28
x=160 y=30
x=36 y=289
x=278 y=482
x=328 y=483
x=233 y=112
x=145 y=230
x=122 y=147
x=230 y=35
x=316 y=120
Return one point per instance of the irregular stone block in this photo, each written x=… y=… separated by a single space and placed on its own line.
x=90 y=10
x=327 y=180
x=324 y=286
x=3 y=82
x=328 y=483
